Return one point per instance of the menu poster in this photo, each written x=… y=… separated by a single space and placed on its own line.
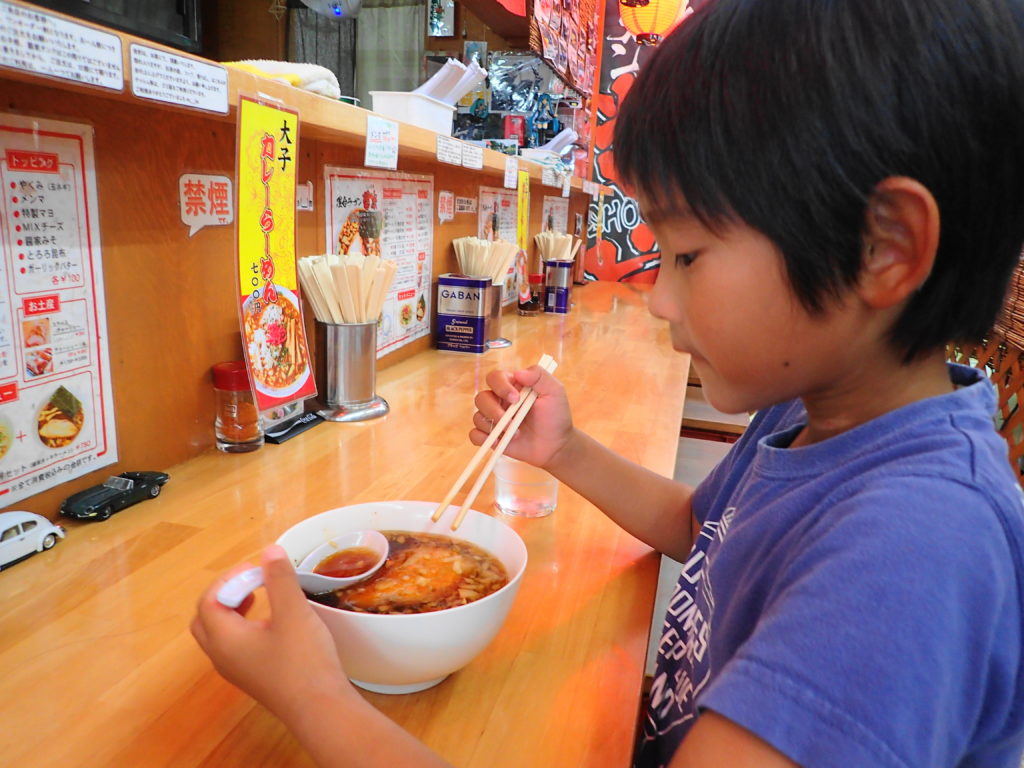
x=401 y=207
x=56 y=406
x=274 y=337
x=498 y=220
x=556 y=214
x=498 y=214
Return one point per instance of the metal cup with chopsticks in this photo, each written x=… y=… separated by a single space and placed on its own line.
x=557 y=252
x=491 y=259
x=347 y=295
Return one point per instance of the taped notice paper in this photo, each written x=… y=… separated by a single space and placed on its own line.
x=205 y=201
x=445 y=205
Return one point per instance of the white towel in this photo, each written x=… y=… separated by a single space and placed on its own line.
x=308 y=77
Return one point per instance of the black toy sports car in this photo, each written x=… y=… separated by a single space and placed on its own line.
x=101 y=501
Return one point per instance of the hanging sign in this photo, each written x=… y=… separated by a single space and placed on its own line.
x=39 y=42
x=449 y=150
x=175 y=79
x=274 y=337
x=555 y=214
x=445 y=205
x=472 y=156
x=390 y=215
x=511 y=172
x=523 y=219
x=205 y=201
x=497 y=214
x=381 y=143
x=56 y=407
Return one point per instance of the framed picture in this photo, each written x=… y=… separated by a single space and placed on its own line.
x=441 y=18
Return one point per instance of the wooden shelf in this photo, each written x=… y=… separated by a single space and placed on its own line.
x=320 y=117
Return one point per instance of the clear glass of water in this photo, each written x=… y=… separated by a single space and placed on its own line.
x=523 y=490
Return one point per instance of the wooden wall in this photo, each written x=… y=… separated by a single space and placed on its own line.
x=171 y=301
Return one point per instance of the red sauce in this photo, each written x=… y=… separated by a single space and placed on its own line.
x=347 y=562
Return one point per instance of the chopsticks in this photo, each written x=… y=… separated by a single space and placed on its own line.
x=346 y=289
x=484 y=258
x=554 y=246
x=505 y=428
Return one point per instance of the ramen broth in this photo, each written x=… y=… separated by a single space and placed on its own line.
x=347 y=562
x=424 y=572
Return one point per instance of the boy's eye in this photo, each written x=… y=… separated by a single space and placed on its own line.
x=685 y=259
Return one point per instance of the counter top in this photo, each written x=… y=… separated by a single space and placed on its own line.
x=97 y=662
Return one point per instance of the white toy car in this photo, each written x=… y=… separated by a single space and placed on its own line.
x=23 y=534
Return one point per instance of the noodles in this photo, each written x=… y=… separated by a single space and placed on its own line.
x=276 y=357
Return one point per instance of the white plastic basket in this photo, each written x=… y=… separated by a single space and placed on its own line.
x=414 y=108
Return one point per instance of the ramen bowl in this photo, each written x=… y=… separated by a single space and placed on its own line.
x=405 y=653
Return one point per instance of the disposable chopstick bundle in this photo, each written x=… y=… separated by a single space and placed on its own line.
x=484 y=258
x=349 y=289
x=555 y=246
x=501 y=433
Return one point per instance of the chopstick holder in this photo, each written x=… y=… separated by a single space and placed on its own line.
x=505 y=428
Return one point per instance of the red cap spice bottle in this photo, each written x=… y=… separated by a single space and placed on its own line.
x=237 y=424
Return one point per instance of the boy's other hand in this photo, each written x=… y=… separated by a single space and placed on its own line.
x=545 y=431
x=284 y=662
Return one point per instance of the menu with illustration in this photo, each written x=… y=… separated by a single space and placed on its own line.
x=498 y=219
x=56 y=407
x=275 y=346
x=387 y=214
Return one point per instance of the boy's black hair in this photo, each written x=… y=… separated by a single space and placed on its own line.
x=785 y=114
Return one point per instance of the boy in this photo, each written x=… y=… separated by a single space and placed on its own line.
x=837 y=187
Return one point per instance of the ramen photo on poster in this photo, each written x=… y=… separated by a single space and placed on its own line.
x=273 y=337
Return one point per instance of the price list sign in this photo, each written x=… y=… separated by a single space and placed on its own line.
x=273 y=333
x=56 y=407
x=388 y=214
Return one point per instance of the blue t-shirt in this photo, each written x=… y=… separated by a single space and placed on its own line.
x=856 y=602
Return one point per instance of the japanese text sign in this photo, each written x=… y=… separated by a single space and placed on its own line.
x=205 y=200
x=273 y=334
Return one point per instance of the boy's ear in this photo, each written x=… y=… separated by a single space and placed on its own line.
x=901 y=237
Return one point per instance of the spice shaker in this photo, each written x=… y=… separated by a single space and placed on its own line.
x=531 y=300
x=237 y=424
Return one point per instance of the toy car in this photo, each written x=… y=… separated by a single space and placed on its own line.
x=23 y=534
x=118 y=492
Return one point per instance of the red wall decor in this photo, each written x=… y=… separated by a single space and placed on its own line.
x=626 y=250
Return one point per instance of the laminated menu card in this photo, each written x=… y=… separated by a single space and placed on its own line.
x=390 y=215
x=56 y=407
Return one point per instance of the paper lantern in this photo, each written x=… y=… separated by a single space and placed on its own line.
x=649 y=23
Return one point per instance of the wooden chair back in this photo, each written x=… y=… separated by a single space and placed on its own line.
x=1003 y=363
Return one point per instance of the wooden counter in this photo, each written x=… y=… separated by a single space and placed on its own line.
x=97 y=663
x=172 y=298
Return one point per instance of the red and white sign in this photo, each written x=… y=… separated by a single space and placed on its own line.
x=56 y=407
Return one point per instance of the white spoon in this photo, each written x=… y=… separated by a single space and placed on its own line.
x=240 y=586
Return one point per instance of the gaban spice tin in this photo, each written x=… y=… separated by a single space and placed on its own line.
x=557 y=283
x=462 y=313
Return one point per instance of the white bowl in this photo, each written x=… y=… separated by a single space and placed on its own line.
x=404 y=653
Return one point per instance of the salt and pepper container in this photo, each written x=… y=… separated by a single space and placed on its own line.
x=237 y=424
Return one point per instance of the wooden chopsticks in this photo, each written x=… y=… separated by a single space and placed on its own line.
x=505 y=429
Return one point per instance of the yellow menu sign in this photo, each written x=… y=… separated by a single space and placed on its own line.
x=274 y=337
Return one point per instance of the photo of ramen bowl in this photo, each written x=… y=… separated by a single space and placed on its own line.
x=405 y=315
x=60 y=419
x=273 y=338
x=6 y=436
x=409 y=652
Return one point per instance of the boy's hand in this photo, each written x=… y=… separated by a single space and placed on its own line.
x=545 y=431
x=284 y=662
